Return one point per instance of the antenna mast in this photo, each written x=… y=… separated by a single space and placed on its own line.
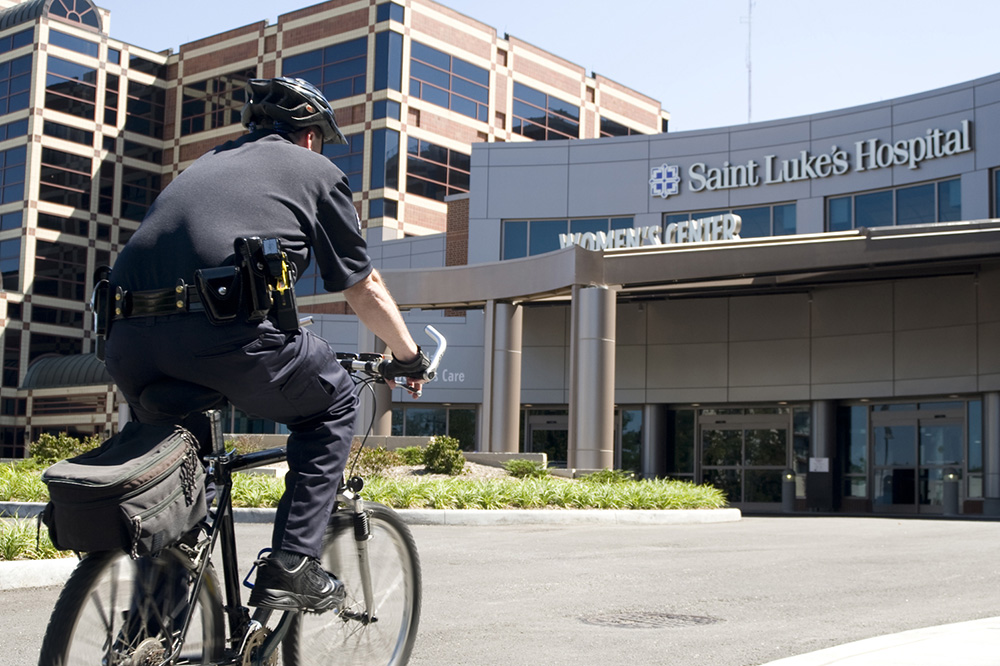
x=750 y=4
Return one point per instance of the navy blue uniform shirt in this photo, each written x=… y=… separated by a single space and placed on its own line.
x=263 y=185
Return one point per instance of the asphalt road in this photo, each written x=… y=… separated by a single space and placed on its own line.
x=729 y=594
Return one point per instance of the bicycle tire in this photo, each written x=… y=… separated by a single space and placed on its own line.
x=98 y=619
x=334 y=639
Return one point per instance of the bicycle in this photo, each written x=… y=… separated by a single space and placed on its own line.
x=169 y=609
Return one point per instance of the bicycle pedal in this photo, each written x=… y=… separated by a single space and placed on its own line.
x=246 y=581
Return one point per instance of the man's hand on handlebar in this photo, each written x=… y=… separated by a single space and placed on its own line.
x=410 y=374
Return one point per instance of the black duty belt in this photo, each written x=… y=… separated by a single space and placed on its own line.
x=157 y=302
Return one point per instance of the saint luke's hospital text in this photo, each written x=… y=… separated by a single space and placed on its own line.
x=869 y=154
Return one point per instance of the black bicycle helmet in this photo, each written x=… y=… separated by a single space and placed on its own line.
x=292 y=104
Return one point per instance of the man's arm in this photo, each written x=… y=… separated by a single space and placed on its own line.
x=374 y=305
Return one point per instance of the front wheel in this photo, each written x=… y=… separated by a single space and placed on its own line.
x=116 y=611
x=352 y=637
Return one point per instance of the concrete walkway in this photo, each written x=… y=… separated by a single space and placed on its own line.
x=975 y=643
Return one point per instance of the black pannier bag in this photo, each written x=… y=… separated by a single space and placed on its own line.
x=139 y=491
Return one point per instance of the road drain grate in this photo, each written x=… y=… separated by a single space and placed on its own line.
x=647 y=620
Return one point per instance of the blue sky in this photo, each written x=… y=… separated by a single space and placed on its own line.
x=807 y=56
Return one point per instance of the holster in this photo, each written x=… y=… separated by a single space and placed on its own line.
x=251 y=258
x=221 y=292
x=268 y=281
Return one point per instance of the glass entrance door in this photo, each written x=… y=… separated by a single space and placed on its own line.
x=910 y=459
x=549 y=434
x=746 y=461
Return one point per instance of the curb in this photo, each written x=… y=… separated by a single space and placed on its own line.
x=486 y=516
x=42 y=573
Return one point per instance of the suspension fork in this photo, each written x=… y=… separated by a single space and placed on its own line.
x=362 y=534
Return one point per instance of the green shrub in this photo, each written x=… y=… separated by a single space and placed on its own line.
x=443 y=456
x=525 y=469
x=49 y=448
x=21 y=540
x=609 y=476
x=368 y=461
x=411 y=455
x=247 y=443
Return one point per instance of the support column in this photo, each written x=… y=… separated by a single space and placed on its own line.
x=820 y=487
x=654 y=441
x=991 y=453
x=505 y=378
x=592 y=398
x=382 y=425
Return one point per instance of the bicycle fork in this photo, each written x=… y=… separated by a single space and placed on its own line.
x=362 y=535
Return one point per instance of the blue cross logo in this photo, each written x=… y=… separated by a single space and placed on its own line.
x=664 y=180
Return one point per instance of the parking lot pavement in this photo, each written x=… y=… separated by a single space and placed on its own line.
x=730 y=594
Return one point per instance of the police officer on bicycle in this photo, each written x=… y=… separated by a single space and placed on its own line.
x=202 y=293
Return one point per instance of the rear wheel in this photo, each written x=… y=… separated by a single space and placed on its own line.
x=116 y=611
x=352 y=637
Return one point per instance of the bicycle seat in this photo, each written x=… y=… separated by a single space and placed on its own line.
x=177 y=397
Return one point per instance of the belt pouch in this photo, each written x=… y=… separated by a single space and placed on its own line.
x=220 y=290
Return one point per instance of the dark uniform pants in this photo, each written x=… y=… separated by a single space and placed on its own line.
x=291 y=378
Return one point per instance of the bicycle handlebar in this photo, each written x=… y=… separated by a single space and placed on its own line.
x=375 y=365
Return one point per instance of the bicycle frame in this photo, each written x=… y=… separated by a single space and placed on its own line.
x=221 y=467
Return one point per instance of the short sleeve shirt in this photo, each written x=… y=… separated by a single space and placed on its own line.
x=263 y=185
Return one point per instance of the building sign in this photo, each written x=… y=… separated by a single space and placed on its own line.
x=868 y=155
x=715 y=228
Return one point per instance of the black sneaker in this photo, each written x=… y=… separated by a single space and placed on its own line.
x=306 y=587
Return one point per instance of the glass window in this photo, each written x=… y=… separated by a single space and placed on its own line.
x=215 y=102
x=14 y=129
x=15 y=84
x=17 y=40
x=545 y=236
x=12 y=169
x=838 y=214
x=385 y=159
x=73 y=43
x=114 y=56
x=60 y=270
x=65 y=178
x=388 y=61
x=145 y=109
x=915 y=205
x=631 y=440
x=785 y=220
x=515 y=239
x=68 y=133
x=756 y=221
x=852 y=429
x=350 y=157
x=386 y=108
x=10 y=264
x=434 y=171
x=11 y=221
x=950 y=200
x=76 y=11
x=874 y=209
x=542 y=117
x=449 y=81
x=428 y=421
x=389 y=11
x=338 y=70
x=611 y=128
x=71 y=88
x=139 y=189
x=462 y=426
x=140 y=64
